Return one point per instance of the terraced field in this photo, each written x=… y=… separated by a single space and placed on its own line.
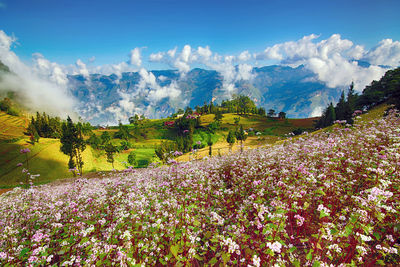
x=12 y=127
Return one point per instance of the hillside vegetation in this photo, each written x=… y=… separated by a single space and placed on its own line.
x=327 y=198
x=46 y=159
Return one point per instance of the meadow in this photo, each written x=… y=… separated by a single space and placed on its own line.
x=324 y=199
x=47 y=160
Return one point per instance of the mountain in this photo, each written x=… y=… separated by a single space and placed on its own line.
x=106 y=99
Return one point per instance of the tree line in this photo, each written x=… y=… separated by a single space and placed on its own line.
x=386 y=90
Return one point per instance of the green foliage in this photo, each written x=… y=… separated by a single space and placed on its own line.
x=282 y=115
x=123 y=132
x=163 y=151
x=72 y=144
x=94 y=141
x=271 y=113
x=45 y=126
x=387 y=89
x=110 y=151
x=105 y=137
x=132 y=158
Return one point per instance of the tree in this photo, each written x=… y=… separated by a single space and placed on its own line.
x=340 y=108
x=72 y=144
x=132 y=158
x=218 y=116
x=110 y=151
x=231 y=139
x=123 y=132
x=105 y=137
x=94 y=141
x=209 y=143
x=242 y=136
x=261 y=111
x=271 y=113
x=282 y=115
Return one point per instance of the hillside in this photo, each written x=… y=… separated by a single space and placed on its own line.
x=46 y=159
x=321 y=199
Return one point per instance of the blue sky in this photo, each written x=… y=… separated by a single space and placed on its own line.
x=64 y=31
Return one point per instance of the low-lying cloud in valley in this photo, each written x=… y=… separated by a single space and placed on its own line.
x=334 y=61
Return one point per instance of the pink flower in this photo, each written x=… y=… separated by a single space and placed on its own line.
x=25 y=150
x=19 y=164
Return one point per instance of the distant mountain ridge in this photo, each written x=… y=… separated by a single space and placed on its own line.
x=104 y=99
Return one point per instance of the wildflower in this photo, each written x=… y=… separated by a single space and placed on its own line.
x=256 y=261
x=19 y=164
x=25 y=150
x=299 y=219
x=3 y=255
x=276 y=246
x=198 y=142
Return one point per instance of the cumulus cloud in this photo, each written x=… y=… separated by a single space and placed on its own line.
x=387 y=52
x=245 y=56
x=333 y=59
x=156 y=57
x=135 y=57
x=155 y=92
x=82 y=69
x=42 y=87
x=204 y=52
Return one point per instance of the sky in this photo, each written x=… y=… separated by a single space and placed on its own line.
x=64 y=30
x=50 y=39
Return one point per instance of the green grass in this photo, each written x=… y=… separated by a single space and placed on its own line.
x=46 y=159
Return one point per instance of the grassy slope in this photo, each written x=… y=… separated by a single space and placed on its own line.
x=46 y=159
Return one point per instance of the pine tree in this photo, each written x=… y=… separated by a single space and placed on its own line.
x=72 y=144
x=110 y=151
x=230 y=139
x=242 y=136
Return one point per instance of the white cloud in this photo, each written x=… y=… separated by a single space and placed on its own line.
x=245 y=72
x=82 y=69
x=386 y=53
x=42 y=87
x=245 y=56
x=332 y=59
x=204 y=52
x=317 y=112
x=92 y=59
x=171 y=53
x=156 y=57
x=135 y=57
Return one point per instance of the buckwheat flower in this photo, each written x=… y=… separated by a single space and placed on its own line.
x=256 y=261
x=299 y=219
x=390 y=238
x=276 y=246
x=3 y=255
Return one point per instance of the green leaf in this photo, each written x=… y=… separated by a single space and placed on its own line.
x=377 y=235
x=309 y=255
x=23 y=252
x=213 y=261
x=225 y=257
x=348 y=230
x=198 y=257
x=292 y=249
x=381 y=262
x=316 y=264
x=174 y=250
x=296 y=263
x=322 y=214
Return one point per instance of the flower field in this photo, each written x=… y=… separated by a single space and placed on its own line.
x=326 y=199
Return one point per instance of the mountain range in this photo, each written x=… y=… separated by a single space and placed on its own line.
x=108 y=98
